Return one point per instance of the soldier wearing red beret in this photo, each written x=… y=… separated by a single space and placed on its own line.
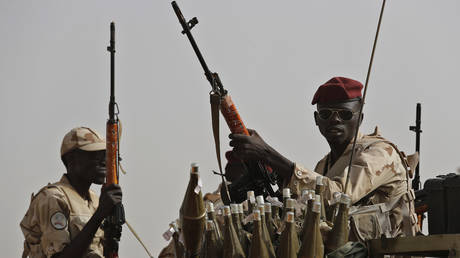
x=379 y=173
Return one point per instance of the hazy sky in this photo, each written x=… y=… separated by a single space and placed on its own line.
x=271 y=56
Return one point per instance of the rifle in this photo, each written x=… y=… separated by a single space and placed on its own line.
x=418 y=130
x=421 y=196
x=113 y=223
x=257 y=176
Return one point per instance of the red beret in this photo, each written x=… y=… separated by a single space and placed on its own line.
x=337 y=89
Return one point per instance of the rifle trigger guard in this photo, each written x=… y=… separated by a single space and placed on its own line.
x=117 y=112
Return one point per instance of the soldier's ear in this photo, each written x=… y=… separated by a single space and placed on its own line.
x=69 y=160
x=65 y=159
x=315 y=115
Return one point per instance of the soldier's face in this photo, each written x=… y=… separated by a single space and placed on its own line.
x=337 y=122
x=90 y=166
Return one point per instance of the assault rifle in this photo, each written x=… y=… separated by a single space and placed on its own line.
x=257 y=176
x=113 y=223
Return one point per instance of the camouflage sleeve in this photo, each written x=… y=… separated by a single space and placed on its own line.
x=168 y=251
x=377 y=165
x=45 y=225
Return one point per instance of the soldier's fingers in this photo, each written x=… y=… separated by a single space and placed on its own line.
x=114 y=197
x=247 y=152
x=239 y=141
x=233 y=143
x=239 y=137
x=116 y=192
x=244 y=147
x=117 y=197
x=110 y=187
x=252 y=132
x=245 y=155
x=242 y=150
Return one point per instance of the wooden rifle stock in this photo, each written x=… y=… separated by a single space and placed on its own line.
x=111 y=153
x=232 y=117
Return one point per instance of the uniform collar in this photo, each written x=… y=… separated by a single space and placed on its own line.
x=350 y=145
x=65 y=182
x=327 y=160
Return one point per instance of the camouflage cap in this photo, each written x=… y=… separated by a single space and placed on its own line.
x=82 y=138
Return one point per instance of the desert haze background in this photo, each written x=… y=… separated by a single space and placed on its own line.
x=271 y=56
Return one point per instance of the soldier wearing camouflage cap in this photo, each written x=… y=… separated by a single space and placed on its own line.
x=379 y=177
x=64 y=218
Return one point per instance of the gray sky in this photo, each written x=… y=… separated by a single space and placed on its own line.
x=271 y=56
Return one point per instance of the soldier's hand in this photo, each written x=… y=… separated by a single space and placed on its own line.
x=110 y=196
x=251 y=147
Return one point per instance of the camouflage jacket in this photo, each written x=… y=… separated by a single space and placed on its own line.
x=379 y=175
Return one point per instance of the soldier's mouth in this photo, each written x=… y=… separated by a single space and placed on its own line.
x=334 y=130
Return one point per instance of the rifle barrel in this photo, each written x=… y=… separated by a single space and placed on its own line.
x=418 y=130
x=187 y=26
x=111 y=49
x=418 y=126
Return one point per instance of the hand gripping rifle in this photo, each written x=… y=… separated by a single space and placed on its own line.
x=113 y=223
x=257 y=176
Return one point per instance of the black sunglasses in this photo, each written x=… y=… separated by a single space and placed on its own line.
x=344 y=114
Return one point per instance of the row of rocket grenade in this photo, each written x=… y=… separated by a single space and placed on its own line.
x=258 y=230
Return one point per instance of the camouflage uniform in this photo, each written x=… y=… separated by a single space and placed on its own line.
x=379 y=180
x=57 y=213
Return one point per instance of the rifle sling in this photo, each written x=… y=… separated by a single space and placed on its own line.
x=215 y=100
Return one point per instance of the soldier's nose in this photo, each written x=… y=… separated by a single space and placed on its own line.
x=335 y=117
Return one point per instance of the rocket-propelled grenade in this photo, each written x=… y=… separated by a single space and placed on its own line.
x=212 y=246
x=338 y=236
x=232 y=246
x=192 y=214
x=312 y=242
x=258 y=247
x=289 y=246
